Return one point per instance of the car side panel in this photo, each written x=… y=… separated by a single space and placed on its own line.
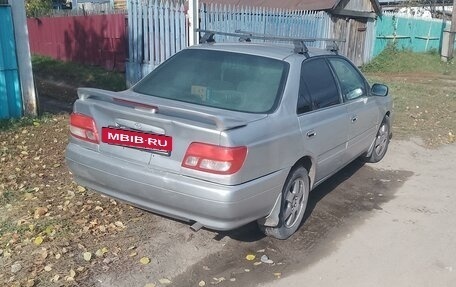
x=363 y=121
x=329 y=142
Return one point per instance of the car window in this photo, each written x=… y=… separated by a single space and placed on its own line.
x=318 y=88
x=351 y=82
x=225 y=80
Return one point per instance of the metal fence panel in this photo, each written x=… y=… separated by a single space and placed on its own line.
x=411 y=33
x=92 y=40
x=10 y=92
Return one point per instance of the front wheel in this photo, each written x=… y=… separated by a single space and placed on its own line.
x=295 y=195
x=381 y=142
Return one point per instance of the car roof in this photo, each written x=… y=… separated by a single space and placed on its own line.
x=270 y=50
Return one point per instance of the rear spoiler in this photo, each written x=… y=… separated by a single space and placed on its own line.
x=222 y=123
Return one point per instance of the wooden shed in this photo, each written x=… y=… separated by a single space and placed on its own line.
x=352 y=20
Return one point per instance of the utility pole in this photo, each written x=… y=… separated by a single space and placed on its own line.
x=24 y=59
x=452 y=32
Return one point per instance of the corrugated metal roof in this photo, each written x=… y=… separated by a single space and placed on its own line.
x=285 y=4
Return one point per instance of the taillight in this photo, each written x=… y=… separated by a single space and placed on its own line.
x=214 y=159
x=83 y=127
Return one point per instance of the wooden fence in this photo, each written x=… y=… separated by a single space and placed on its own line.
x=157 y=30
x=267 y=21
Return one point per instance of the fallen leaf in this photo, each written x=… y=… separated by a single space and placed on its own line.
x=101 y=252
x=202 y=283
x=81 y=188
x=250 y=257
x=165 y=281
x=55 y=278
x=30 y=283
x=87 y=256
x=47 y=268
x=38 y=240
x=50 y=230
x=149 y=285
x=232 y=279
x=278 y=275
x=257 y=263
x=42 y=254
x=71 y=275
x=133 y=254
x=16 y=267
x=40 y=211
x=144 y=260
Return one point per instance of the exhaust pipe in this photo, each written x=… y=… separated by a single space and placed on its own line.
x=196 y=226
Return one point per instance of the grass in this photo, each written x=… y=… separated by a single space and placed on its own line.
x=423 y=89
x=11 y=124
x=392 y=60
x=76 y=74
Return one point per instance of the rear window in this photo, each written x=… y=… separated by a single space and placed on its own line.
x=224 y=80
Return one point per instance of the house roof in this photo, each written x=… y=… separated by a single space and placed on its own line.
x=289 y=4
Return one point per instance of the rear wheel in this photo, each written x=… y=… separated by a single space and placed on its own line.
x=295 y=195
x=381 y=142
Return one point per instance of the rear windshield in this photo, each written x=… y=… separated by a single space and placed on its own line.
x=224 y=80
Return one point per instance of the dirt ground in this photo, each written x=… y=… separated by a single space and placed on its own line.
x=370 y=225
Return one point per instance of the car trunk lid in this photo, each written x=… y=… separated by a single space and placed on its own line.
x=138 y=114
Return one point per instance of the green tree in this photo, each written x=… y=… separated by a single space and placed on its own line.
x=36 y=8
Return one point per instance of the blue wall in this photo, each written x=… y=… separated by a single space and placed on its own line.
x=10 y=92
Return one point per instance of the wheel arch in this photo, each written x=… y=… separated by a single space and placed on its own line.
x=308 y=163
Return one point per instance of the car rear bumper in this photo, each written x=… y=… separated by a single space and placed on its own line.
x=213 y=205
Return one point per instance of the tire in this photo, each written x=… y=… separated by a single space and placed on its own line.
x=381 y=142
x=295 y=194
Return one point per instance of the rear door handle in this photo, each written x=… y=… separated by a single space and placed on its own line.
x=354 y=119
x=311 y=133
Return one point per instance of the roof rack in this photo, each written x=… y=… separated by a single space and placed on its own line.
x=300 y=46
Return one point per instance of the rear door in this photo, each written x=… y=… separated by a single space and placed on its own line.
x=361 y=107
x=322 y=117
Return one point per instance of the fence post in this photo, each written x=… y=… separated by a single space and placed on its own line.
x=452 y=35
x=24 y=59
x=193 y=15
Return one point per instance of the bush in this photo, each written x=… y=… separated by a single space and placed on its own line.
x=36 y=8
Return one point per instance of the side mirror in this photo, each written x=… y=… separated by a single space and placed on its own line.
x=379 y=90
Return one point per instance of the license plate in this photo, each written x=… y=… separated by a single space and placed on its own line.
x=136 y=139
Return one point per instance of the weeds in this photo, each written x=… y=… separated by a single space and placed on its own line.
x=393 y=60
x=77 y=74
x=11 y=124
